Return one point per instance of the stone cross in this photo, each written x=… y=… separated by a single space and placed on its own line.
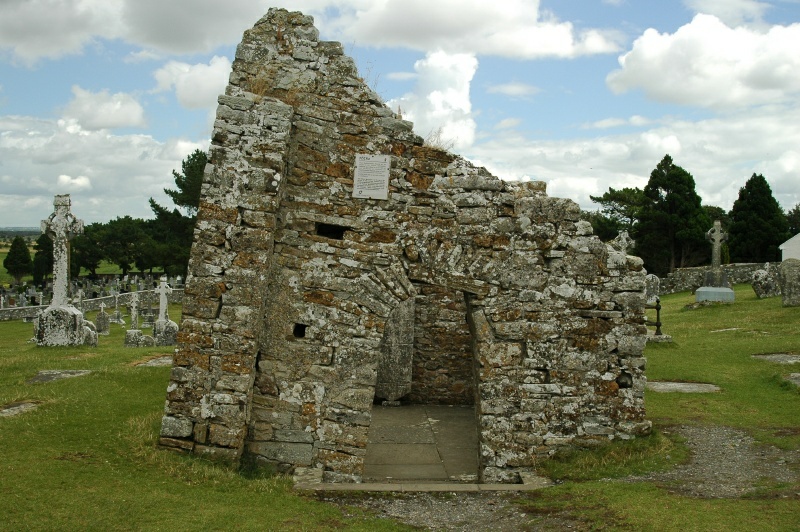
x=163 y=291
x=716 y=236
x=102 y=307
x=134 y=311
x=623 y=241
x=61 y=226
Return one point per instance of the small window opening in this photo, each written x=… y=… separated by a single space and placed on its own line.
x=334 y=232
x=299 y=330
x=625 y=380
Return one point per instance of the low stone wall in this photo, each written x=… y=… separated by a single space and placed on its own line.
x=21 y=313
x=690 y=279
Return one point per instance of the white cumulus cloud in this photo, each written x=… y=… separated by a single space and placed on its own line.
x=196 y=86
x=514 y=89
x=732 y=12
x=69 y=183
x=506 y=28
x=709 y=64
x=102 y=110
x=107 y=175
x=440 y=101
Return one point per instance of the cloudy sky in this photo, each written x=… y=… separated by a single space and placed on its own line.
x=102 y=99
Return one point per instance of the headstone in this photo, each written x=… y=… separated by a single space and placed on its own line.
x=134 y=304
x=135 y=338
x=165 y=331
x=116 y=316
x=652 y=287
x=61 y=323
x=790 y=282
x=147 y=314
x=765 y=283
x=716 y=287
x=103 y=321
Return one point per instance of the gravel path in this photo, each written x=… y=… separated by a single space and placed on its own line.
x=726 y=463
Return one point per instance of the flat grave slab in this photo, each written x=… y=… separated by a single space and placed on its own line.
x=780 y=358
x=682 y=387
x=50 y=375
x=160 y=361
x=18 y=407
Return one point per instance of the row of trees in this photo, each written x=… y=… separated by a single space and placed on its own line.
x=160 y=243
x=668 y=220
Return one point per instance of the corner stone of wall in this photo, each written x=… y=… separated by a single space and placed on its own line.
x=302 y=300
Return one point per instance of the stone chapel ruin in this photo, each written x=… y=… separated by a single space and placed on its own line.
x=428 y=280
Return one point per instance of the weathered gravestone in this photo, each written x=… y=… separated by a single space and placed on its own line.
x=765 y=283
x=134 y=337
x=102 y=321
x=61 y=323
x=715 y=286
x=790 y=282
x=302 y=286
x=165 y=331
x=652 y=288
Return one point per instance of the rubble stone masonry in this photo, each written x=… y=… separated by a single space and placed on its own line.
x=304 y=305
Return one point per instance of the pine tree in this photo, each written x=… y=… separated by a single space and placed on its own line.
x=672 y=222
x=758 y=224
x=18 y=262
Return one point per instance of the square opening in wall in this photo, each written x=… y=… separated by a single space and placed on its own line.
x=332 y=231
x=299 y=330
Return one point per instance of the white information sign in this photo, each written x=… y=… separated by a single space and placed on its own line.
x=371 y=178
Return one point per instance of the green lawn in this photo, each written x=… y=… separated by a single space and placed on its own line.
x=86 y=458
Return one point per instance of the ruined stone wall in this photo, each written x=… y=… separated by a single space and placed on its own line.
x=690 y=279
x=443 y=365
x=305 y=304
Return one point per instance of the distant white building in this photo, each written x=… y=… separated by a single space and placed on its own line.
x=791 y=248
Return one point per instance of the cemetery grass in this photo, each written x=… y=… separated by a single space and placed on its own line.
x=86 y=457
x=712 y=344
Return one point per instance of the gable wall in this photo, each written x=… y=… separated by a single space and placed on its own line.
x=286 y=323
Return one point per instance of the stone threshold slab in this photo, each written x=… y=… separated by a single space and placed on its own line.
x=415 y=487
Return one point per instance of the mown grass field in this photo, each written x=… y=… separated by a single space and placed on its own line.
x=86 y=457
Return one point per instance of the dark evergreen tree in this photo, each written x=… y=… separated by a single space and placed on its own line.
x=171 y=232
x=120 y=241
x=42 y=259
x=758 y=224
x=604 y=227
x=621 y=208
x=18 y=262
x=86 y=250
x=793 y=217
x=672 y=222
x=189 y=182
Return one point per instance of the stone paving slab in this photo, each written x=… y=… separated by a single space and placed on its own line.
x=418 y=472
x=404 y=453
x=439 y=453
